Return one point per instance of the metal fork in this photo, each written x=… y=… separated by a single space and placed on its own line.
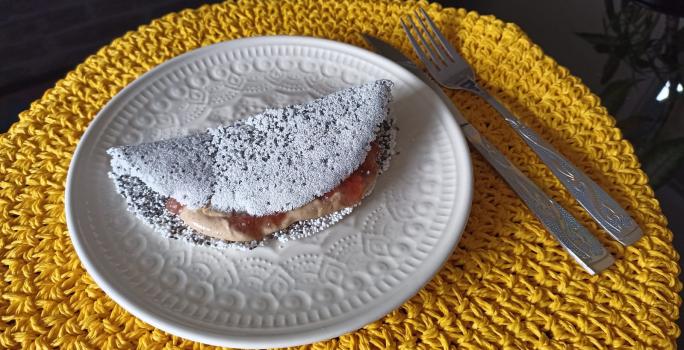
x=450 y=70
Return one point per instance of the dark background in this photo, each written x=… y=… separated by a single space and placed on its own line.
x=40 y=41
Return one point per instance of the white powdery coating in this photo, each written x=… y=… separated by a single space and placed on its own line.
x=283 y=158
x=131 y=163
x=272 y=162
x=180 y=168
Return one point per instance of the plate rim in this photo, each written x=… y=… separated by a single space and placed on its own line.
x=456 y=223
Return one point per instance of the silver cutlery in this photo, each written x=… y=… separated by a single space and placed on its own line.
x=574 y=237
x=450 y=70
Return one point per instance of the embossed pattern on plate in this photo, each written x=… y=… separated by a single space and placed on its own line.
x=285 y=293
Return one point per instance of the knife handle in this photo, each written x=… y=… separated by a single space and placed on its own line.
x=597 y=202
x=572 y=236
x=579 y=243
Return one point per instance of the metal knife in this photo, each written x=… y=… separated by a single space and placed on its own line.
x=572 y=236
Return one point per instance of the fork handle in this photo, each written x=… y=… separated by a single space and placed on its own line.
x=597 y=202
x=575 y=238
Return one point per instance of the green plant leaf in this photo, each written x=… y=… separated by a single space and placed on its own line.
x=610 y=9
x=679 y=39
x=615 y=93
x=610 y=68
x=663 y=160
x=640 y=63
x=632 y=126
x=604 y=49
x=597 y=39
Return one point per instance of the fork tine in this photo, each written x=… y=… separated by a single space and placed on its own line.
x=427 y=46
x=416 y=47
x=440 y=50
x=449 y=48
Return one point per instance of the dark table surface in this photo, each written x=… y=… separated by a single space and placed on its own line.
x=627 y=52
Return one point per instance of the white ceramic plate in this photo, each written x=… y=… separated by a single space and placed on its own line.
x=285 y=293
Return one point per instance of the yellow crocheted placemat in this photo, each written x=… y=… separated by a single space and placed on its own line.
x=507 y=285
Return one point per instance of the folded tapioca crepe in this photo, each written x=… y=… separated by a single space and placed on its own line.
x=285 y=173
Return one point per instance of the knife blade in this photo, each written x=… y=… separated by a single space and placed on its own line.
x=572 y=236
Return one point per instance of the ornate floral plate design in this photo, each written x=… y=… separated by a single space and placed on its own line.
x=285 y=293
